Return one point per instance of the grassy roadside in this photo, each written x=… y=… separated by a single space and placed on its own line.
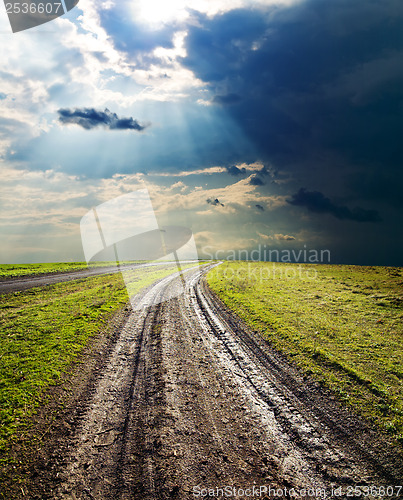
x=17 y=270
x=8 y=271
x=342 y=324
x=43 y=330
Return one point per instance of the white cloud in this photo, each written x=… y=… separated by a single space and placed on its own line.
x=265 y=237
x=42 y=210
x=75 y=63
x=165 y=80
x=244 y=167
x=155 y=13
x=239 y=195
x=284 y=237
x=277 y=237
x=187 y=173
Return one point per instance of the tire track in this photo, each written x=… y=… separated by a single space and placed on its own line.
x=302 y=412
x=309 y=401
x=101 y=465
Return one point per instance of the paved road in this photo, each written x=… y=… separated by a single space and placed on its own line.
x=27 y=282
x=190 y=399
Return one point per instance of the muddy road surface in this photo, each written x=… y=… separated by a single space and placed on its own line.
x=191 y=404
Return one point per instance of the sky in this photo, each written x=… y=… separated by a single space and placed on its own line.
x=258 y=124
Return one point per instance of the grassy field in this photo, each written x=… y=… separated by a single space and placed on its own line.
x=43 y=330
x=342 y=324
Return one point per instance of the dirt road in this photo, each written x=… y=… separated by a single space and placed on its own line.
x=191 y=400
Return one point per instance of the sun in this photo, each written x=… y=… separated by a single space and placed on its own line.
x=157 y=12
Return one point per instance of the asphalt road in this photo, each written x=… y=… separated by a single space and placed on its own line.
x=27 y=282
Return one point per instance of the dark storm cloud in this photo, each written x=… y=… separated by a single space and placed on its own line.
x=379 y=187
x=321 y=86
x=263 y=171
x=255 y=180
x=259 y=207
x=316 y=202
x=215 y=202
x=235 y=171
x=227 y=99
x=268 y=170
x=90 y=118
x=316 y=79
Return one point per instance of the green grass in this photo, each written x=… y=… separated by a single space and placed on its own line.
x=341 y=324
x=43 y=330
